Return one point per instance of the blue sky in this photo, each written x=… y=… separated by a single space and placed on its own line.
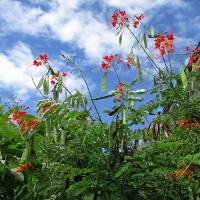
x=81 y=28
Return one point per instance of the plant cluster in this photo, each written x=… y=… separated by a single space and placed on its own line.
x=69 y=152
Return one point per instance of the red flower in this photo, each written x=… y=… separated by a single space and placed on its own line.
x=121 y=89
x=137 y=20
x=109 y=58
x=104 y=66
x=26 y=167
x=64 y=74
x=46 y=107
x=187 y=172
x=120 y=84
x=43 y=57
x=170 y=36
x=123 y=16
x=158 y=41
x=114 y=19
x=140 y=17
x=119 y=60
x=135 y=24
x=118 y=18
x=37 y=63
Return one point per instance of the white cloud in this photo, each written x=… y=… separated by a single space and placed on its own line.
x=67 y=22
x=20 y=18
x=16 y=66
x=144 y=4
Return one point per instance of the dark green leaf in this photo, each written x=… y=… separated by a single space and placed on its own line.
x=145 y=40
x=46 y=86
x=120 y=39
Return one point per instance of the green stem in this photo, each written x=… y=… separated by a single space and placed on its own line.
x=78 y=68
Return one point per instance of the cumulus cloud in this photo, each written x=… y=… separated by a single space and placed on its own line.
x=68 y=22
x=16 y=68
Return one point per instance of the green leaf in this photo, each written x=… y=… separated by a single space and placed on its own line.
x=5 y=116
x=183 y=77
x=152 y=31
x=145 y=40
x=104 y=97
x=51 y=70
x=103 y=82
x=46 y=86
x=147 y=72
x=142 y=91
x=60 y=83
x=130 y=102
x=123 y=169
x=124 y=116
x=120 y=39
x=132 y=57
x=150 y=55
x=134 y=99
x=118 y=32
x=140 y=41
x=139 y=70
x=55 y=94
x=40 y=83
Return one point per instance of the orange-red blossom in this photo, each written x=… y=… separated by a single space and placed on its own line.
x=17 y=116
x=20 y=168
x=185 y=172
x=186 y=123
x=42 y=59
x=165 y=44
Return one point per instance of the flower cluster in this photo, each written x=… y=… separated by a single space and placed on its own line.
x=186 y=171
x=20 y=168
x=46 y=107
x=165 y=43
x=119 y=18
x=42 y=59
x=137 y=20
x=194 y=57
x=120 y=88
x=18 y=117
x=109 y=59
x=107 y=65
x=54 y=77
x=188 y=123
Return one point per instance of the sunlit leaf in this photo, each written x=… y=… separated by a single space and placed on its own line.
x=103 y=82
x=120 y=39
x=60 y=83
x=140 y=41
x=139 y=70
x=118 y=32
x=152 y=31
x=147 y=72
x=40 y=83
x=132 y=57
x=46 y=86
x=183 y=77
x=124 y=116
